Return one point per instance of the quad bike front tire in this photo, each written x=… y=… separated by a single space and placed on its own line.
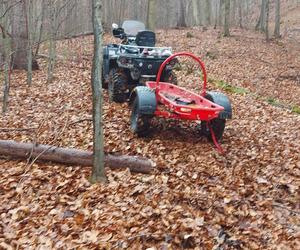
x=218 y=127
x=169 y=76
x=117 y=86
x=139 y=123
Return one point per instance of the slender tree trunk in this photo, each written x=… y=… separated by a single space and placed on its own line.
x=240 y=7
x=261 y=24
x=208 y=12
x=19 y=34
x=227 y=18
x=40 y=26
x=267 y=20
x=216 y=13
x=195 y=8
x=181 y=18
x=151 y=16
x=52 y=41
x=98 y=173
x=6 y=53
x=221 y=12
x=277 y=20
x=29 y=21
x=6 y=84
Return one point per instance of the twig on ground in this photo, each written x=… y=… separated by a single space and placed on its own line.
x=16 y=129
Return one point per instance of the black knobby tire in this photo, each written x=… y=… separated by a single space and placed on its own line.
x=117 y=87
x=104 y=81
x=170 y=77
x=139 y=123
x=217 y=125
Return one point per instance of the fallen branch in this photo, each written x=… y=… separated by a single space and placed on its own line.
x=73 y=156
x=81 y=120
x=16 y=129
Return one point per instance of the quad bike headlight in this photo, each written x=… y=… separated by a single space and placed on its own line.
x=123 y=60
x=135 y=73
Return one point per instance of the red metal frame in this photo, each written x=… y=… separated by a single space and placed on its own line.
x=180 y=103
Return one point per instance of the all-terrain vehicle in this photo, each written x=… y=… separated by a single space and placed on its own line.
x=167 y=100
x=134 y=61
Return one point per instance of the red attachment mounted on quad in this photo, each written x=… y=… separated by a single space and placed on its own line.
x=172 y=101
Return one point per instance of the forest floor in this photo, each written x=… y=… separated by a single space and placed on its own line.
x=196 y=198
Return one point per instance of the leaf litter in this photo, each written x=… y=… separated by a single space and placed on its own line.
x=196 y=198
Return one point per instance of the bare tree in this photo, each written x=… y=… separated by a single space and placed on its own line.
x=5 y=46
x=196 y=14
x=208 y=12
x=151 y=14
x=227 y=18
x=261 y=24
x=98 y=173
x=29 y=22
x=277 y=20
x=240 y=9
x=267 y=19
x=181 y=17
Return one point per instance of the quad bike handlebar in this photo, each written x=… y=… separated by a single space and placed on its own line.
x=197 y=59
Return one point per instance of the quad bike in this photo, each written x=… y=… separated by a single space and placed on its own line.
x=167 y=100
x=134 y=61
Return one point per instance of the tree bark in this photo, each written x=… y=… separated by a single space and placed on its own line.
x=151 y=16
x=240 y=9
x=267 y=19
x=98 y=173
x=181 y=18
x=29 y=22
x=52 y=40
x=73 y=156
x=277 y=20
x=227 y=18
x=195 y=7
x=207 y=12
x=261 y=24
x=20 y=37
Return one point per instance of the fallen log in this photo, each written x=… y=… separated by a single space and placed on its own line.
x=73 y=156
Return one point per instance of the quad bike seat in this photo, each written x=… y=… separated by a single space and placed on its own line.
x=145 y=38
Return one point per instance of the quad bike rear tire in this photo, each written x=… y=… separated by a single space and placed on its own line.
x=117 y=86
x=217 y=125
x=169 y=76
x=139 y=123
x=108 y=79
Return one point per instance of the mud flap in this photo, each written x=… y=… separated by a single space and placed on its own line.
x=146 y=100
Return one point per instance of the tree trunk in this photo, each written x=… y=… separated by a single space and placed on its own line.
x=6 y=56
x=277 y=20
x=195 y=7
x=207 y=12
x=181 y=18
x=151 y=16
x=52 y=40
x=240 y=9
x=267 y=19
x=227 y=18
x=20 y=37
x=98 y=173
x=73 y=156
x=221 y=12
x=29 y=22
x=261 y=24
